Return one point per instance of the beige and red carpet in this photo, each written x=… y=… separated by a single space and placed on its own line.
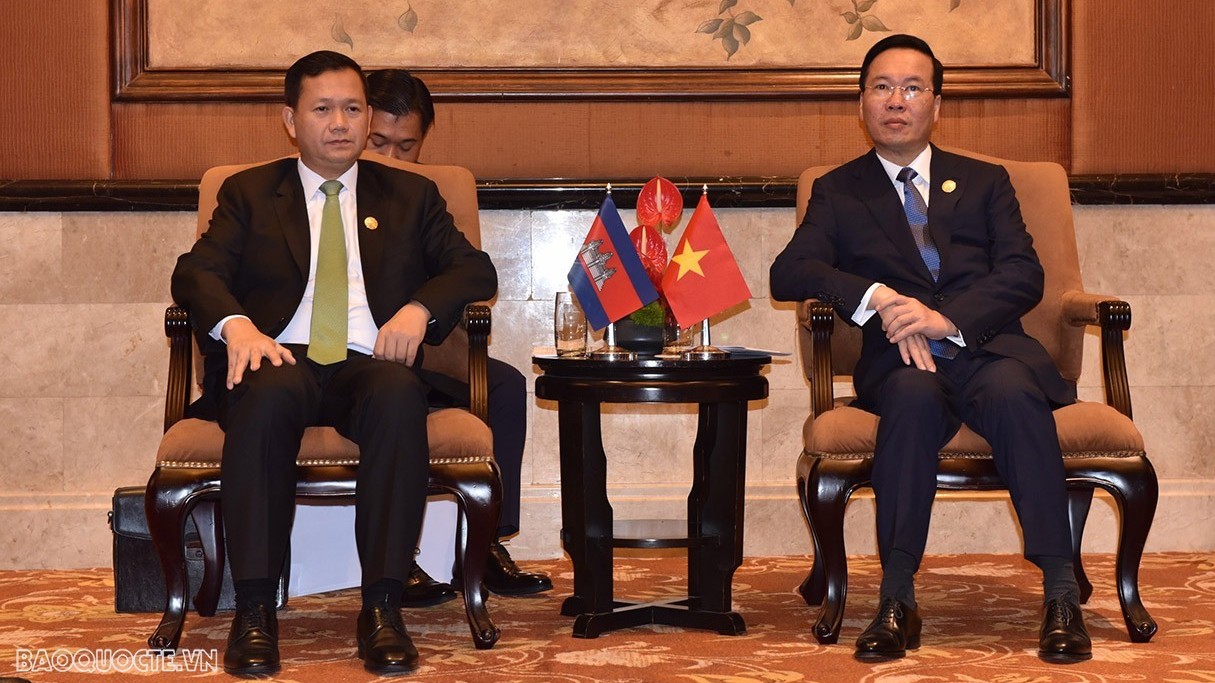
x=980 y=624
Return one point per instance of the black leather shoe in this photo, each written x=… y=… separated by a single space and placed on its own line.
x=384 y=646
x=894 y=631
x=423 y=591
x=1063 y=638
x=504 y=577
x=253 y=641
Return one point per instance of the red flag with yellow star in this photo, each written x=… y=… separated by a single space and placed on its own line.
x=703 y=278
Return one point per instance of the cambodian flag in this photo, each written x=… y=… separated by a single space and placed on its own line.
x=607 y=276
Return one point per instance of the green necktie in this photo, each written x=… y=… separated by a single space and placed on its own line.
x=330 y=300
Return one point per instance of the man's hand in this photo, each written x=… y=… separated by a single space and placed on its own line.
x=914 y=349
x=247 y=346
x=400 y=337
x=903 y=317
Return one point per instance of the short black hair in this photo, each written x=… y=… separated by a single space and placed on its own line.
x=315 y=64
x=904 y=41
x=398 y=92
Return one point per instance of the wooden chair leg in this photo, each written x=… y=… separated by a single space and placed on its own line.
x=207 y=519
x=814 y=587
x=166 y=504
x=478 y=492
x=1133 y=484
x=827 y=492
x=1078 y=501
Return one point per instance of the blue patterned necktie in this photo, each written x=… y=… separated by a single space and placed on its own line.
x=917 y=217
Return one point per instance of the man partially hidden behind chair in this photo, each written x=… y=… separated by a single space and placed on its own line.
x=312 y=292
x=927 y=252
x=402 y=116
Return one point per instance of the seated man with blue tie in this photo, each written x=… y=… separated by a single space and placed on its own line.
x=312 y=291
x=927 y=252
x=402 y=116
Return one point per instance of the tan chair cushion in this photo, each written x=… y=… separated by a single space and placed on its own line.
x=455 y=436
x=1086 y=430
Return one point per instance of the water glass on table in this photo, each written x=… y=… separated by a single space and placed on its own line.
x=569 y=326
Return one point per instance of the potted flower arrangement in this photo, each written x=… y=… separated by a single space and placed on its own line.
x=659 y=209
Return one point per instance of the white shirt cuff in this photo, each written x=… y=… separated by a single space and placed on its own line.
x=219 y=327
x=862 y=314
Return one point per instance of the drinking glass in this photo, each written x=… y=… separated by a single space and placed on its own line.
x=569 y=326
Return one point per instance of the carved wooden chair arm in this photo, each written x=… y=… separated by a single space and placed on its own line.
x=181 y=364
x=816 y=322
x=477 y=323
x=1113 y=316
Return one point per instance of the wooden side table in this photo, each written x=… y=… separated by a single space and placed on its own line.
x=713 y=532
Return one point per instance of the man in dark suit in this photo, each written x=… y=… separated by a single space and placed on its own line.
x=402 y=116
x=927 y=252
x=313 y=290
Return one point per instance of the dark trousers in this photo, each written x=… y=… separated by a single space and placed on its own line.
x=999 y=399
x=379 y=405
x=508 y=421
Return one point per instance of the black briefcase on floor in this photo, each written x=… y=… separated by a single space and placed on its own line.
x=139 y=583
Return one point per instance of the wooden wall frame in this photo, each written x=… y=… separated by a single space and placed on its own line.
x=135 y=81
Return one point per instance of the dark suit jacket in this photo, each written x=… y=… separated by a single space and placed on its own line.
x=253 y=259
x=855 y=233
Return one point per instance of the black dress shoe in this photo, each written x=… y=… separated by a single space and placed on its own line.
x=384 y=646
x=423 y=591
x=504 y=577
x=253 y=641
x=894 y=630
x=1063 y=638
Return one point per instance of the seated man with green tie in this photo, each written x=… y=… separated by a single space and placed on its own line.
x=402 y=116
x=312 y=292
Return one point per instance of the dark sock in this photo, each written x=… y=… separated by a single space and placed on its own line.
x=1058 y=578
x=255 y=591
x=898 y=578
x=383 y=590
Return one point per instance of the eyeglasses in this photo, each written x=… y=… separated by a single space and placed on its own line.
x=884 y=90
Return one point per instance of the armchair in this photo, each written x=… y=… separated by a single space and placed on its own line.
x=186 y=480
x=1101 y=446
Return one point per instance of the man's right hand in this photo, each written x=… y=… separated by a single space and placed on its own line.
x=247 y=346
x=913 y=348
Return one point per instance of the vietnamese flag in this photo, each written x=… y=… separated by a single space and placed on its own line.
x=703 y=278
x=607 y=276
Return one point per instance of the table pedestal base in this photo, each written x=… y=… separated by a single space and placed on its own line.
x=626 y=614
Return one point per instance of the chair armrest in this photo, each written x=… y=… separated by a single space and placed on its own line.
x=816 y=322
x=181 y=364
x=1113 y=316
x=477 y=322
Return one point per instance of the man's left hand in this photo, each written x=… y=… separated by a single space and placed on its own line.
x=903 y=316
x=400 y=337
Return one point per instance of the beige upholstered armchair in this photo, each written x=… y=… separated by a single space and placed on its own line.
x=1101 y=446
x=186 y=480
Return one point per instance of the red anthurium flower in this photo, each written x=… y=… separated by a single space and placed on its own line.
x=660 y=205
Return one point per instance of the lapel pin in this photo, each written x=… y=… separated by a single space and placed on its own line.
x=948 y=186
x=372 y=223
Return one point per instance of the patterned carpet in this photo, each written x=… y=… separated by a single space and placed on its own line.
x=980 y=624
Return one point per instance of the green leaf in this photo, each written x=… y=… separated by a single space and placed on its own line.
x=865 y=5
x=726 y=4
x=726 y=28
x=873 y=23
x=851 y=17
x=855 y=32
x=742 y=34
x=709 y=26
x=747 y=18
x=338 y=33
x=730 y=44
x=953 y=4
x=409 y=20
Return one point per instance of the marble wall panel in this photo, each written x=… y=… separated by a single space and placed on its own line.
x=556 y=238
x=1136 y=250
x=783 y=418
x=31 y=258
x=1170 y=343
x=123 y=257
x=1178 y=429
x=110 y=441
x=35 y=349
x=543 y=449
x=32 y=432
x=64 y=531
x=507 y=237
x=115 y=350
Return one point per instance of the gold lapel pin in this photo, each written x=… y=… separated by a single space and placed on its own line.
x=371 y=223
x=948 y=186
